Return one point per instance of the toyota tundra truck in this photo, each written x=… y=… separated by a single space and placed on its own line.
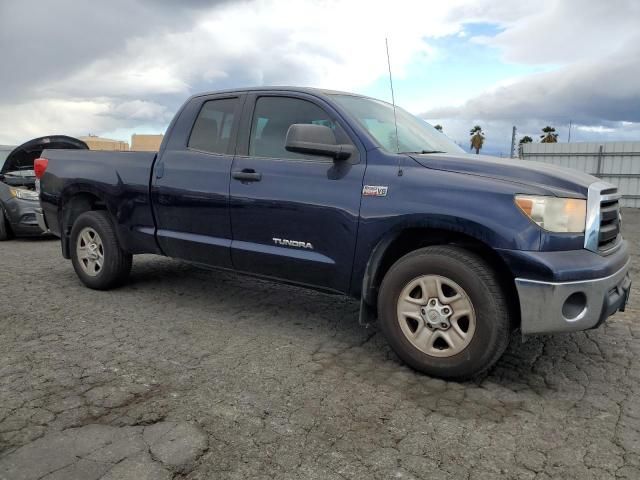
x=449 y=253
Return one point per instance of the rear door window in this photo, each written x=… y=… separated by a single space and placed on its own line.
x=212 y=129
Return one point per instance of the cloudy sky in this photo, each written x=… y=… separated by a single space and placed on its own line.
x=123 y=66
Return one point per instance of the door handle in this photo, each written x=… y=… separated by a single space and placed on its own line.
x=247 y=175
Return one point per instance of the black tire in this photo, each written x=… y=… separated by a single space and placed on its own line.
x=5 y=229
x=482 y=286
x=116 y=262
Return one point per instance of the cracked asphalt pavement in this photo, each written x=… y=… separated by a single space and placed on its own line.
x=193 y=374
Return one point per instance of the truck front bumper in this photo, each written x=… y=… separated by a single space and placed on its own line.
x=549 y=307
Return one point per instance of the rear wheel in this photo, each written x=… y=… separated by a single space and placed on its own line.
x=97 y=257
x=444 y=312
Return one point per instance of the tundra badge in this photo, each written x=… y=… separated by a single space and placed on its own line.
x=292 y=243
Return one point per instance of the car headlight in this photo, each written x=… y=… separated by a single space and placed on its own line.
x=565 y=215
x=24 y=194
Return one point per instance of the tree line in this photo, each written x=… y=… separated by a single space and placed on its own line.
x=549 y=135
x=477 y=137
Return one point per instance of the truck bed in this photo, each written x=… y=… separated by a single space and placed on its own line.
x=121 y=179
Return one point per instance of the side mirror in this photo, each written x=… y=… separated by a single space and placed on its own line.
x=315 y=140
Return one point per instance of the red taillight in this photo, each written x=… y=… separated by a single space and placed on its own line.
x=40 y=166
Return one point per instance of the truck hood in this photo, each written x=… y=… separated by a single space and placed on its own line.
x=558 y=180
x=22 y=157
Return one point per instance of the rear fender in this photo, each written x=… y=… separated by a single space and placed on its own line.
x=74 y=203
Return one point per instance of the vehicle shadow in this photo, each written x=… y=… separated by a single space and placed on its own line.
x=547 y=366
x=30 y=239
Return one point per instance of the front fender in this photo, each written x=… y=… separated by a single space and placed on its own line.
x=430 y=202
x=423 y=231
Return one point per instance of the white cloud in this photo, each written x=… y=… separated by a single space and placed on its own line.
x=314 y=42
x=325 y=43
x=565 y=31
x=594 y=47
x=595 y=128
x=603 y=89
x=600 y=96
x=115 y=74
x=139 y=110
x=20 y=122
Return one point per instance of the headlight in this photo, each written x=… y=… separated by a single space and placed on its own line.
x=566 y=215
x=24 y=194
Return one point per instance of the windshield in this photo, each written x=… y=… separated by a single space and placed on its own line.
x=414 y=135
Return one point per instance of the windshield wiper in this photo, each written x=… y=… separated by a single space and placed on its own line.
x=426 y=152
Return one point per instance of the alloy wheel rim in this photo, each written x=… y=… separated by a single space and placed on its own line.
x=436 y=315
x=90 y=251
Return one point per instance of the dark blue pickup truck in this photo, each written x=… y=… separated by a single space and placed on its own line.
x=449 y=252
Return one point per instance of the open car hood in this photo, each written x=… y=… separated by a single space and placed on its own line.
x=22 y=157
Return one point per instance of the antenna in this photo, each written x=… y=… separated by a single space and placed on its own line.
x=393 y=102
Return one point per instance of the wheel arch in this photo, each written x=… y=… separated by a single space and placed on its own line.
x=398 y=243
x=71 y=207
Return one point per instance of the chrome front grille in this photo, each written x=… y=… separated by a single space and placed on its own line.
x=609 y=224
x=602 y=232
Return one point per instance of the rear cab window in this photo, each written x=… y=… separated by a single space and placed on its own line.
x=212 y=129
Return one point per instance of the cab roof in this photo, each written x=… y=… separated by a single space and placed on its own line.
x=281 y=88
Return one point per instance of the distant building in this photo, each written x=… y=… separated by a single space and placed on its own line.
x=146 y=143
x=98 y=143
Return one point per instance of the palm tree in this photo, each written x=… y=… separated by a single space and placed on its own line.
x=477 y=138
x=438 y=127
x=549 y=135
x=523 y=140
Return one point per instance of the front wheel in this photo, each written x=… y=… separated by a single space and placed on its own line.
x=444 y=312
x=97 y=257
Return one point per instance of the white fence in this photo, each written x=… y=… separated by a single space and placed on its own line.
x=614 y=162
